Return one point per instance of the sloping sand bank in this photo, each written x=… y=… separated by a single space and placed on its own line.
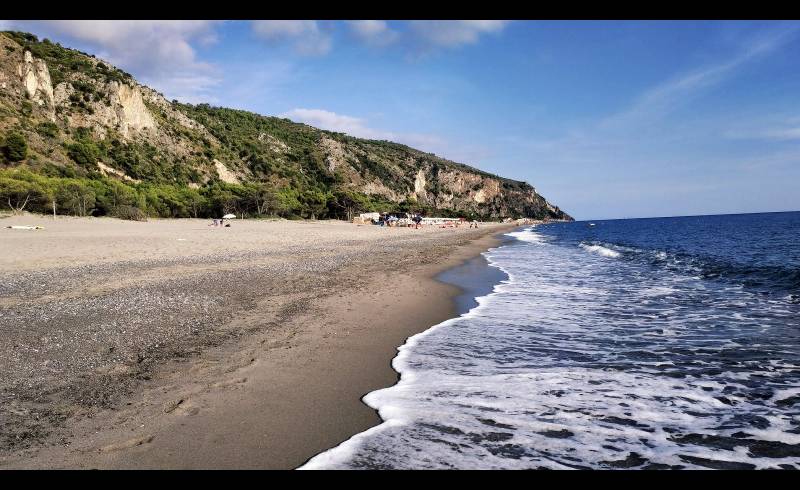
x=172 y=344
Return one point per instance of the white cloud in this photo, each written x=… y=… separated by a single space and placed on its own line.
x=771 y=128
x=782 y=134
x=160 y=52
x=358 y=127
x=306 y=36
x=454 y=33
x=340 y=123
x=373 y=32
x=662 y=99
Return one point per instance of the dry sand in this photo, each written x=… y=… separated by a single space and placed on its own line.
x=172 y=344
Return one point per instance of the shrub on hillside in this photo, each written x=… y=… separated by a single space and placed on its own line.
x=14 y=147
x=129 y=213
x=84 y=153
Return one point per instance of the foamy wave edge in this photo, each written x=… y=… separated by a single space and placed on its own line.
x=600 y=250
x=393 y=416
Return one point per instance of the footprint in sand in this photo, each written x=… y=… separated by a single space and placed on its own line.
x=136 y=441
x=229 y=383
x=181 y=407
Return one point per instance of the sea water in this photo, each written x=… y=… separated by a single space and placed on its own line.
x=644 y=343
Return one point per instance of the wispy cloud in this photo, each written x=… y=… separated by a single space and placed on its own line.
x=311 y=37
x=159 y=52
x=471 y=153
x=770 y=128
x=643 y=143
x=358 y=127
x=662 y=99
x=306 y=36
x=373 y=32
x=454 y=33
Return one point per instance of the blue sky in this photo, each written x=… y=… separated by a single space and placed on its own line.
x=605 y=119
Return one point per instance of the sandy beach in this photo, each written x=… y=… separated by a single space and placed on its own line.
x=172 y=344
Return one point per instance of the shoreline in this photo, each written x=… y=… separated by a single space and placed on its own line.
x=274 y=399
x=471 y=276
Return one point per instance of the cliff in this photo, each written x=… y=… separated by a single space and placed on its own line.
x=83 y=119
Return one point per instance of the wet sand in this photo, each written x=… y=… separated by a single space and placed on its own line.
x=171 y=344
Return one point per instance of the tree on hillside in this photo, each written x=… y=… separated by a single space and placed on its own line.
x=84 y=153
x=315 y=203
x=266 y=199
x=18 y=193
x=14 y=147
x=78 y=196
x=347 y=203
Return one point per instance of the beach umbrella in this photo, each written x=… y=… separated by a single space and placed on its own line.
x=229 y=216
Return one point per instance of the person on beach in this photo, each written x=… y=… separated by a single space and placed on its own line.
x=417 y=219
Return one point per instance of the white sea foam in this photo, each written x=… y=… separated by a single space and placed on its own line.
x=575 y=361
x=527 y=235
x=600 y=250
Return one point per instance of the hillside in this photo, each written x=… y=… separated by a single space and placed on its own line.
x=79 y=136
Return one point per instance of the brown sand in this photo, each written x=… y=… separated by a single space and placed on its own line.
x=243 y=347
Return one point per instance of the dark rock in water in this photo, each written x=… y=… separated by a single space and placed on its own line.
x=715 y=464
x=633 y=460
x=557 y=434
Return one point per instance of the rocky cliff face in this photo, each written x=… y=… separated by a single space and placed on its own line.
x=60 y=99
x=35 y=78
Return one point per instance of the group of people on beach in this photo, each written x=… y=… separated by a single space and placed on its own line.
x=219 y=222
x=403 y=220
x=392 y=220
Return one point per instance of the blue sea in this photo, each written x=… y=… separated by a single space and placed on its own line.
x=641 y=343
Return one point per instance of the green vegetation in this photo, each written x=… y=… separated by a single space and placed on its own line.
x=14 y=147
x=47 y=129
x=61 y=61
x=104 y=196
x=287 y=169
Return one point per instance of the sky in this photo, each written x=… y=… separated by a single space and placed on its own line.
x=605 y=119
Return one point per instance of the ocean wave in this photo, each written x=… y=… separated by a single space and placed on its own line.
x=600 y=250
x=765 y=278
x=565 y=365
x=529 y=236
x=575 y=361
